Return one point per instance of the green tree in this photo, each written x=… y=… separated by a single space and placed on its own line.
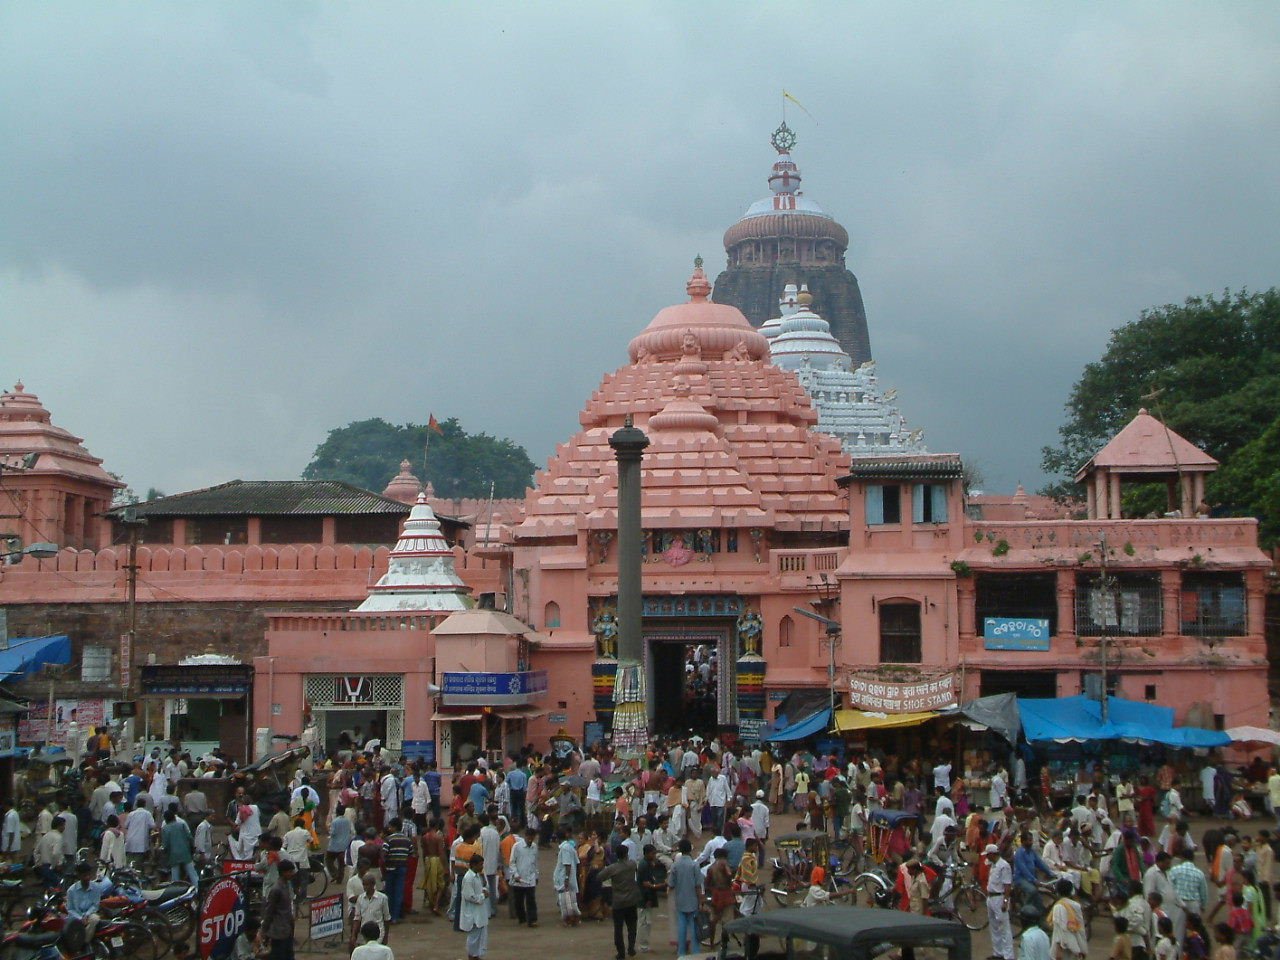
x=1210 y=369
x=459 y=464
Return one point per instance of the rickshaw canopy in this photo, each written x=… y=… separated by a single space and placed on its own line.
x=856 y=933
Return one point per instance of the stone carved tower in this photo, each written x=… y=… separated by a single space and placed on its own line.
x=787 y=238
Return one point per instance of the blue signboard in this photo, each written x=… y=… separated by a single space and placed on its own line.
x=424 y=750
x=1015 y=633
x=493 y=689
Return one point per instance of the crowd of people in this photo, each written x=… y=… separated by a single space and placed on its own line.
x=690 y=821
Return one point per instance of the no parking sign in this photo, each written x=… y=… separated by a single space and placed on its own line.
x=221 y=919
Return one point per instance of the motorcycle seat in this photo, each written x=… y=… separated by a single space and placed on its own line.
x=170 y=891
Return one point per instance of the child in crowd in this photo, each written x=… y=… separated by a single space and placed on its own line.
x=1121 y=946
x=1224 y=936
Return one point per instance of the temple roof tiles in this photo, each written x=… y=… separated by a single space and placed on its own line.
x=730 y=436
x=26 y=427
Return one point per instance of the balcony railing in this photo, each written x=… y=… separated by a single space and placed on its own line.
x=807 y=562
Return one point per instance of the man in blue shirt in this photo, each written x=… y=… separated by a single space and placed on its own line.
x=85 y=896
x=432 y=776
x=1027 y=867
x=518 y=784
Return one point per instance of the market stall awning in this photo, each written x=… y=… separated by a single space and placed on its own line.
x=847 y=720
x=810 y=725
x=1254 y=735
x=31 y=654
x=998 y=712
x=520 y=713
x=446 y=717
x=1077 y=719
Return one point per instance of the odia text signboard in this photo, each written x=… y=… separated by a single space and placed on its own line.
x=221 y=919
x=1015 y=633
x=887 y=696
x=492 y=689
x=326 y=916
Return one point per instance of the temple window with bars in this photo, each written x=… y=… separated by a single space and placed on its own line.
x=1020 y=595
x=1129 y=605
x=1213 y=604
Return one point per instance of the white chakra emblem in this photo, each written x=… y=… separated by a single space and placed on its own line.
x=513 y=685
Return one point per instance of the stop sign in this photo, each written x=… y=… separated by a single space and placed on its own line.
x=221 y=919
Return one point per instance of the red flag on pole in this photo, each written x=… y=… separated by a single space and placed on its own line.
x=434 y=424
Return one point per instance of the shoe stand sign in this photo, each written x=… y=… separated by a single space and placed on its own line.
x=222 y=918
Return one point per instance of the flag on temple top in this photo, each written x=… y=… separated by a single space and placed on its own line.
x=434 y=424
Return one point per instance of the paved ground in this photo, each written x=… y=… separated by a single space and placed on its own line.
x=428 y=938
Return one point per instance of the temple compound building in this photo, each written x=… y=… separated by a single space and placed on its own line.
x=849 y=401
x=738 y=486
x=787 y=238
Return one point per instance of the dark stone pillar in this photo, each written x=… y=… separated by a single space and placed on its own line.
x=628 y=444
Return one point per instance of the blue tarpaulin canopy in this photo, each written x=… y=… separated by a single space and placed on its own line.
x=807 y=727
x=1080 y=718
x=28 y=655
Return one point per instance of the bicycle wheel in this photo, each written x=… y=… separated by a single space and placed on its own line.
x=865 y=890
x=788 y=893
x=971 y=907
x=159 y=927
x=318 y=883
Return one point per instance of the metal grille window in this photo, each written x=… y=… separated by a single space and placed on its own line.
x=1032 y=596
x=900 y=633
x=95 y=664
x=1213 y=605
x=1129 y=606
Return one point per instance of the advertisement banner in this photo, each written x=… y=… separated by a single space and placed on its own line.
x=126 y=660
x=326 y=916
x=887 y=696
x=1015 y=633
x=86 y=714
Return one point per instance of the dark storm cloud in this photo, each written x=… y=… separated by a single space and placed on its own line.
x=230 y=227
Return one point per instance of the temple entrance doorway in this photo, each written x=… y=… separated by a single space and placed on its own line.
x=690 y=679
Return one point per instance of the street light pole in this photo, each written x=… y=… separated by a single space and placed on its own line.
x=1108 y=609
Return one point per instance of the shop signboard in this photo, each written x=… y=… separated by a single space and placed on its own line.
x=1015 y=633
x=196 y=680
x=326 y=916
x=492 y=689
x=915 y=696
x=750 y=730
x=221 y=919
x=424 y=750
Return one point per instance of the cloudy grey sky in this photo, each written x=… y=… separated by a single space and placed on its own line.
x=228 y=227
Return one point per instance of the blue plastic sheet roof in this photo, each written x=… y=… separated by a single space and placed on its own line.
x=28 y=655
x=1080 y=718
x=817 y=723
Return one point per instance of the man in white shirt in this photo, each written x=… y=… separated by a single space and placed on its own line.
x=999 y=889
x=760 y=817
x=709 y=850
x=11 y=837
x=522 y=875
x=938 y=828
x=942 y=776
x=943 y=806
x=390 y=791
x=70 y=834
x=251 y=827
x=999 y=790
x=491 y=849
x=372 y=949
x=717 y=797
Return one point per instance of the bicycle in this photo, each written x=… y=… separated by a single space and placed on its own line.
x=959 y=898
